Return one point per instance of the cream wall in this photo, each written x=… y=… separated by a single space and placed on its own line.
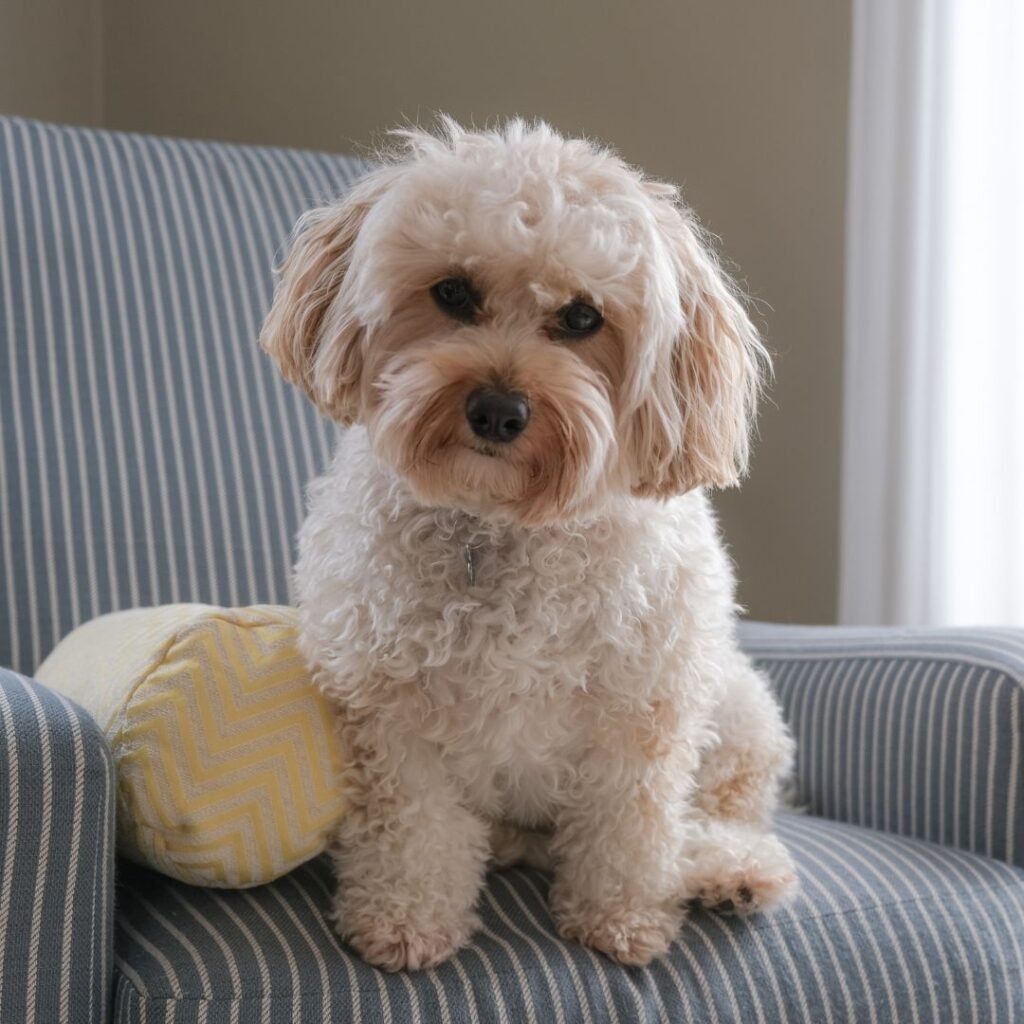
x=743 y=102
x=50 y=59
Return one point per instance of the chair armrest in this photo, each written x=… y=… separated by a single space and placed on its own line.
x=56 y=858
x=919 y=732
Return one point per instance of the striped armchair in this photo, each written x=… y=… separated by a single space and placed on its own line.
x=149 y=455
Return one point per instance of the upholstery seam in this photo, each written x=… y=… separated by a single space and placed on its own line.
x=1014 y=673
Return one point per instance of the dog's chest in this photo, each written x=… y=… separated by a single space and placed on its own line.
x=513 y=608
x=495 y=620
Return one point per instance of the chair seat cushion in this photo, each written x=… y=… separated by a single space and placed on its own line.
x=884 y=929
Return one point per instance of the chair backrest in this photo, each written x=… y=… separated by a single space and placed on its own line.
x=149 y=451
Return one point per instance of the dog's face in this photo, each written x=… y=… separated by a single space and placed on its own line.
x=524 y=324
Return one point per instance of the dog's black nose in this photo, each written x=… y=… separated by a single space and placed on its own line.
x=497 y=415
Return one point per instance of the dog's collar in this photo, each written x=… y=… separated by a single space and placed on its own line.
x=467 y=550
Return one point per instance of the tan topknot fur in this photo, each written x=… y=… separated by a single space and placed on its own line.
x=513 y=633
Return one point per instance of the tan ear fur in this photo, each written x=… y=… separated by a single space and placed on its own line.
x=692 y=427
x=316 y=346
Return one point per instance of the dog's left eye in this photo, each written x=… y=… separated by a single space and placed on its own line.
x=579 y=319
x=456 y=297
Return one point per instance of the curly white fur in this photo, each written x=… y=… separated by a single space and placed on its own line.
x=531 y=645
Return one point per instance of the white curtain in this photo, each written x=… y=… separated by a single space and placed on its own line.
x=933 y=458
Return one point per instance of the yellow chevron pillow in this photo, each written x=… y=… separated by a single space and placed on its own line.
x=227 y=758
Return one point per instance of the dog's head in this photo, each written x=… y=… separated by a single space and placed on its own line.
x=524 y=324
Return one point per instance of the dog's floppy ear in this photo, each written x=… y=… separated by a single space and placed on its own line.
x=691 y=426
x=313 y=330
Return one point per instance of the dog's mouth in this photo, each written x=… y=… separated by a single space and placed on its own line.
x=488 y=451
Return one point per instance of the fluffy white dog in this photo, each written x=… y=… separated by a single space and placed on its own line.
x=511 y=580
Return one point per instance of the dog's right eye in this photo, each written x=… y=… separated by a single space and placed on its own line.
x=456 y=297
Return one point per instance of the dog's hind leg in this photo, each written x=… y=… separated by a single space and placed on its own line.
x=742 y=774
x=735 y=863
x=737 y=868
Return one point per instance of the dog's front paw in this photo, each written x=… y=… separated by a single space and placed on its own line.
x=752 y=874
x=630 y=936
x=401 y=946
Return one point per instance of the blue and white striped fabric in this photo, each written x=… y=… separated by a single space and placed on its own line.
x=149 y=453
x=915 y=732
x=885 y=930
x=56 y=859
